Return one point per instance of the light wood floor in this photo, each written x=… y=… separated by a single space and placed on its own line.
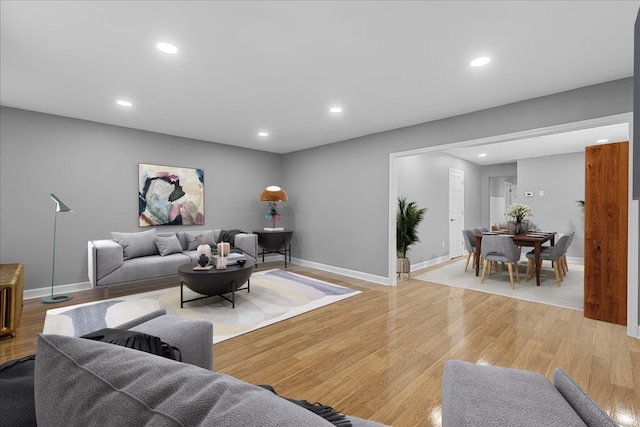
x=379 y=355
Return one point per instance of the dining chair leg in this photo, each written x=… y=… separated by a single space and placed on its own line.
x=467 y=264
x=529 y=269
x=510 y=265
x=484 y=269
x=556 y=268
x=558 y=263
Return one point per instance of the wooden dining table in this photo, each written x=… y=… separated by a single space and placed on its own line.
x=533 y=239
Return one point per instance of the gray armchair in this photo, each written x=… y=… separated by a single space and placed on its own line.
x=500 y=248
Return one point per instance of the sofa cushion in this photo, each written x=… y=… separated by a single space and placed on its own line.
x=145 y=268
x=111 y=385
x=480 y=395
x=138 y=244
x=197 y=238
x=580 y=401
x=168 y=245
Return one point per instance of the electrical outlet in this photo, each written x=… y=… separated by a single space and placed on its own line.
x=443 y=243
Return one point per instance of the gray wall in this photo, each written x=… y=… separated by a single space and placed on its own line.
x=339 y=193
x=93 y=168
x=424 y=178
x=561 y=178
x=341 y=190
x=492 y=171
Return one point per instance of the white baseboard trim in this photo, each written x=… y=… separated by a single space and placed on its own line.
x=58 y=289
x=429 y=263
x=343 y=271
x=83 y=286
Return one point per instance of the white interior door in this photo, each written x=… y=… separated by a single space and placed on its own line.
x=456 y=212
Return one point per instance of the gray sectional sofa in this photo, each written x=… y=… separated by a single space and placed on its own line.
x=133 y=257
x=79 y=382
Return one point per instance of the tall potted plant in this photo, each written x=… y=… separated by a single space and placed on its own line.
x=407 y=220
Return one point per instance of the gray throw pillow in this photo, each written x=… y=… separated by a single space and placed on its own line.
x=106 y=384
x=197 y=238
x=580 y=401
x=138 y=244
x=168 y=245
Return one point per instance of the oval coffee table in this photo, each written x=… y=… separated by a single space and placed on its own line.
x=216 y=282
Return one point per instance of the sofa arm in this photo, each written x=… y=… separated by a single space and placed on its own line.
x=104 y=257
x=248 y=243
x=482 y=395
x=580 y=401
x=194 y=338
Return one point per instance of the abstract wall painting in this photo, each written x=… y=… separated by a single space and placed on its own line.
x=169 y=195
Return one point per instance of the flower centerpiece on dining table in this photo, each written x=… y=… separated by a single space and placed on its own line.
x=519 y=211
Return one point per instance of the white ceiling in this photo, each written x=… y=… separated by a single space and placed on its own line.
x=243 y=67
x=548 y=145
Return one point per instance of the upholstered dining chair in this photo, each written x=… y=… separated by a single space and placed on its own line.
x=470 y=246
x=500 y=248
x=555 y=254
x=564 y=264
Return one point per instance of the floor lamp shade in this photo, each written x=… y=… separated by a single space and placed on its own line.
x=60 y=207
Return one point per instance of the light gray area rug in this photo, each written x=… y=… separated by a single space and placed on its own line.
x=569 y=295
x=275 y=295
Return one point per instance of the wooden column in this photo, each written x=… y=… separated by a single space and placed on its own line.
x=606 y=222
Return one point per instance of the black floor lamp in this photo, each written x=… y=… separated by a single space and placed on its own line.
x=60 y=207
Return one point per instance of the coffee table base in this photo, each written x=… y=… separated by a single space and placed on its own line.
x=233 y=294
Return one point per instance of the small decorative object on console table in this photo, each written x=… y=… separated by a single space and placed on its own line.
x=60 y=207
x=519 y=211
x=273 y=194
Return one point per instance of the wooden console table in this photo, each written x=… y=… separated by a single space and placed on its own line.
x=11 y=291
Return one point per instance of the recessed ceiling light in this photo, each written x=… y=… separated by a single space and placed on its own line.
x=263 y=133
x=336 y=109
x=124 y=103
x=602 y=140
x=481 y=61
x=482 y=155
x=167 y=48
